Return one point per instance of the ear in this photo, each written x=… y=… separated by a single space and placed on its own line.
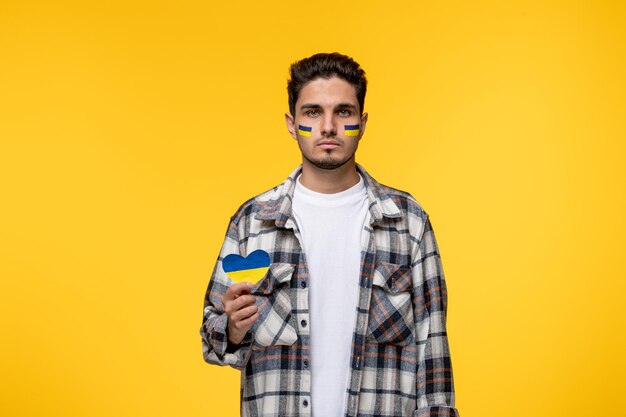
x=291 y=125
x=364 y=118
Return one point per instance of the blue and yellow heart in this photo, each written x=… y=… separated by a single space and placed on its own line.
x=251 y=268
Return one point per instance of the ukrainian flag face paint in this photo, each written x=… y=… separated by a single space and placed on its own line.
x=352 y=130
x=250 y=269
x=305 y=131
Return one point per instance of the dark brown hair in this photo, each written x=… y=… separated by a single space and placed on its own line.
x=325 y=65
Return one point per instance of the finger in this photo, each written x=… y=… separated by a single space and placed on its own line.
x=243 y=313
x=246 y=324
x=241 y=302
x=235 y=290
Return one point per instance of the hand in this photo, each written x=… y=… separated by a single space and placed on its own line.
x=241 y=310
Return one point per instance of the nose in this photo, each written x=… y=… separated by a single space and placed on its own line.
x=328 y=127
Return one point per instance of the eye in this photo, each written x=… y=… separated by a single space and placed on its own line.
x=345 y=113
x=312 y=113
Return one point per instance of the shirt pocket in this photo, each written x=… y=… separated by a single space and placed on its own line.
x=272 y=327
x=391 y=307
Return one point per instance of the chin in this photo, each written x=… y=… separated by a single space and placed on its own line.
x=328 y=163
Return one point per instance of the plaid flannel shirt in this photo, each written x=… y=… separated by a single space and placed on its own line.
x=400 y=360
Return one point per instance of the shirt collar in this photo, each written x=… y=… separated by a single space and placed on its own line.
x=278 y=207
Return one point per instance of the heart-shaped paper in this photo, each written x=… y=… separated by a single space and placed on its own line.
x=251 y=268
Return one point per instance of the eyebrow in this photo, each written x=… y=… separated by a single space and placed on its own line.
x=338 y=106
x=310 y=106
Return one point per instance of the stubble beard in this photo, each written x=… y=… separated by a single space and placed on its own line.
x=328 y=162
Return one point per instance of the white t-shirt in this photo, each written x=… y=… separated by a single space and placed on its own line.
x=331 y=226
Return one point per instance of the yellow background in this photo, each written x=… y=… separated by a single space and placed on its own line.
x=131 y=132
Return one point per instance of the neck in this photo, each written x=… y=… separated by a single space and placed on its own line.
x=329 y=181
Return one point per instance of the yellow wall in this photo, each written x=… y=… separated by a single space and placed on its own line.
x=131 y=131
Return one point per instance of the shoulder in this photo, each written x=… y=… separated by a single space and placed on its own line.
x=406 y=203
x=251 y=206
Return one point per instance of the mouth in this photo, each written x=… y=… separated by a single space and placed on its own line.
x=328 y=144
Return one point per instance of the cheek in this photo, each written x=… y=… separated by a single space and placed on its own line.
x=351 y=130
x=305 y=130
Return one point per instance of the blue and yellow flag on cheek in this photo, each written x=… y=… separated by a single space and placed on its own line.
x=252 y=268
x=352 y=130
x=305 y=131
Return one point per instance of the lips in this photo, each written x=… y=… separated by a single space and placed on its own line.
x=329 y=145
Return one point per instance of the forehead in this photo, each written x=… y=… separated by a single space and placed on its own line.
x=329 y=91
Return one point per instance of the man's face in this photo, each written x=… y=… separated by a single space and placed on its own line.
x=328 y=123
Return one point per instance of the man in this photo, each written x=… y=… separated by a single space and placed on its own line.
x=346 y=313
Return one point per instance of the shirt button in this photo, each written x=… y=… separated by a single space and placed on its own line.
x=303 y=284
x=305 y=403
x=306 y=363
x=303 y=323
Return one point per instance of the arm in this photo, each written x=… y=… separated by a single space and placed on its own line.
x=216 y=348
x=435 y=387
